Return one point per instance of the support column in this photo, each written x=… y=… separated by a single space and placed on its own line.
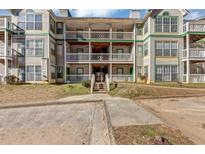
x=110 y=72
x=65 y=48
x=110 y=55
x=5 y=52
x=89 y=50
x=188 y=62
x=134 y=53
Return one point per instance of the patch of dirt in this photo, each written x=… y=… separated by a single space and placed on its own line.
x=149 y=134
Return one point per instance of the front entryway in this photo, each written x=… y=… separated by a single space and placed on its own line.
x=100 y=71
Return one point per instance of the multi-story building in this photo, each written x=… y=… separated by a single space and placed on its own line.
x=39 y=46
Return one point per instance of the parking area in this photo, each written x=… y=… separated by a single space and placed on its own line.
x=187 y=114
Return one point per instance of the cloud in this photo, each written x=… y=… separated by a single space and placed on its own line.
x=194 y=14
x=93 y=12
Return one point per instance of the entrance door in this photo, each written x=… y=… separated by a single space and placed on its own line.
x=100 y=71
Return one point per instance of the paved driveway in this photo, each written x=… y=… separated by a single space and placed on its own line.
x=54 y=124
x=187 y=114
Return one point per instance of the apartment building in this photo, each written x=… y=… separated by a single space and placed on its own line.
x=38 y=46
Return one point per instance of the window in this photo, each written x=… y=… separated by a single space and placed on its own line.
x=120 y=71
x=166 y=24
x=166 y=13
x=140 y=50
x=166 y=48
x=52 y=25
x=145 y=49
x=139 y=71
x=33 y=73
x=34 y=48
x=30 y=21
x=59 y=71
x=80 y=71
x=145 y=27
x=38 y=22
x=166 y=72
x=59 y=28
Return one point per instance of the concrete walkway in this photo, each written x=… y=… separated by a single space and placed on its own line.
x=122 y=111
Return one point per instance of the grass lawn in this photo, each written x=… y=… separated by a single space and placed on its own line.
x=178 y=85
x=135 y=91
x=147 y=134
x=38 y=92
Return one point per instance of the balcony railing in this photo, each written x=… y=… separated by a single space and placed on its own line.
x=98 y=57
x=1 y=78
x=77 y=77
x=99 y=35
x=194 y=27
x=195 y=78
x=194 y=53
x=122 y=78
x=9 y=52
x=5 y=23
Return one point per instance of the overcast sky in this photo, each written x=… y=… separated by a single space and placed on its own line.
x=116 y=13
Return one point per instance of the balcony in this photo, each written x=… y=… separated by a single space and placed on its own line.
x=190 y=27
x=2 y=54
x=6 y=24
x=195 y=53
x=100 y=35
x=99 y=57
x=195 y=78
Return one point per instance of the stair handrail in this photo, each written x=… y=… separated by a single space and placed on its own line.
x=107 y=80
x=92 y=82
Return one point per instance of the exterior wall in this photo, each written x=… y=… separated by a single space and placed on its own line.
x=126 y=49
x=73 y=68
x=125 y=67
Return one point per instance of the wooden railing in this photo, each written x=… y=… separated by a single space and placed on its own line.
x=99 y=35
x=1 y=78
x=193 y=27
x=77 y=77
x=194 y=78
x=122 y=78
x=194 y=53
x=9 y=52
x=98 y=57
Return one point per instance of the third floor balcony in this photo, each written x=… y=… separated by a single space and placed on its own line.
x=194 y=53
x=99 y=35
x=194 y=27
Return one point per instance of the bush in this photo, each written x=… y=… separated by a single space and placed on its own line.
x=86 y=83
x=143 y=78
x=11 y=79
x=113 y=85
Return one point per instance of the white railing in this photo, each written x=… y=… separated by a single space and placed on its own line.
x=77 y=57
x=77 y=77
x=107 y=81
x=184 y=76
x=197 y=78
x=122 y=57
x=98 y=57
x=191 y=27
x=2 y=23
x=99 y=35
x=194 y=53
x=9 y=52
x=122 y=78
x=92 y=82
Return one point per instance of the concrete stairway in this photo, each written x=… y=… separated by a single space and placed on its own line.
x=100 y=87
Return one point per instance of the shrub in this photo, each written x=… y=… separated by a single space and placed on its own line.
x=113 y=85
x=143 y=78
x=86 y=83
x=11 y=79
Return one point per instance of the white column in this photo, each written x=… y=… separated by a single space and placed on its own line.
x=134 y=53
x=110 y=72
x=110 y=53
x=188 y=62
x=5 y=52
x=90 y=50
x=65 y=48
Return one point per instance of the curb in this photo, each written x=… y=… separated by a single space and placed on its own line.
x=109 y=124
x=49 y=103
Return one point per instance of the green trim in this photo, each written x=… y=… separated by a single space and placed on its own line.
x=197 y=33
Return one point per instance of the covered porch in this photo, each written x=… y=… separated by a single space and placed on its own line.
x=116 y=72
